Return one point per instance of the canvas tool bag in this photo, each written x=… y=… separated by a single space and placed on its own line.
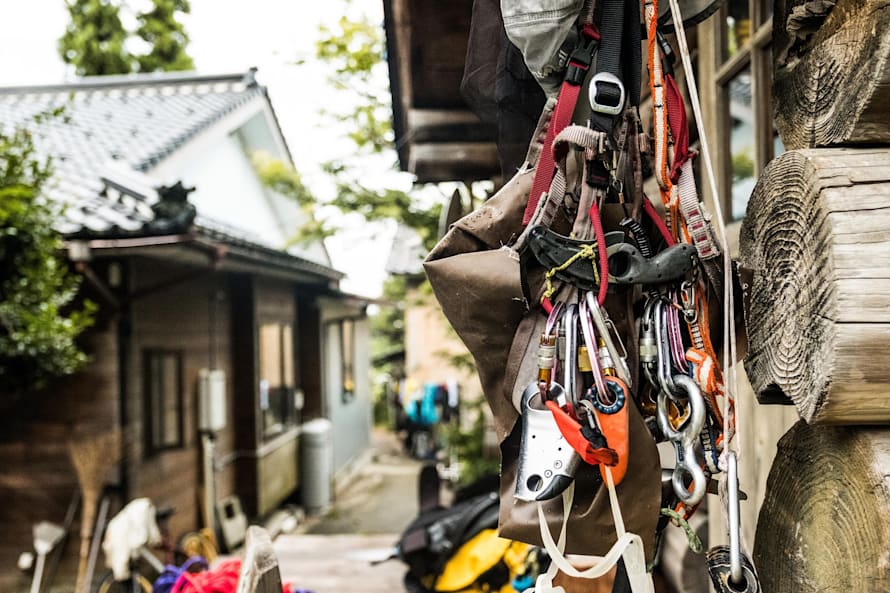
x=491 y=299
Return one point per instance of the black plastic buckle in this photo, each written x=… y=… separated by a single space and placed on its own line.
x=579 y=63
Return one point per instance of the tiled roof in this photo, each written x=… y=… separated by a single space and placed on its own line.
x=112 y=131
x=117 y=123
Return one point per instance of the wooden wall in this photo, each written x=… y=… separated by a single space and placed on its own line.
x=37 y=479
x=176 y=308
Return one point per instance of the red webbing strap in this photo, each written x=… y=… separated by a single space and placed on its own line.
x=562 y=116
x=679 y=126
x=571 y=432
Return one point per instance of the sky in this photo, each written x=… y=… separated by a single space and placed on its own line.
x=231 y=36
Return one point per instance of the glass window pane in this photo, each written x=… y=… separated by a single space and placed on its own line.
x=170 y=399
x=741 y=142
x=163 y=397
x=270 y=354
x=287 y=341
x=348 y=352
x=738 y=26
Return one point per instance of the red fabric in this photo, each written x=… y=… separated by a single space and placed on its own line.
x=679 y=125
x=221 y=579
x=562 y=116
x=571 y=432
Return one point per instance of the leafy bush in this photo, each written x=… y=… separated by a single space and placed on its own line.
x=39 y=320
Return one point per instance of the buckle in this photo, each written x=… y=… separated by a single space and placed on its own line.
x=606 y=79
x=579 y=63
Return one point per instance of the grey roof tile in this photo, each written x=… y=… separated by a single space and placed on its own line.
x=136 y=120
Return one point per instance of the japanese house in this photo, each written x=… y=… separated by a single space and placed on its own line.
x=186 y=253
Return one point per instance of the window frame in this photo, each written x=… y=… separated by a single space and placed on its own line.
x=347 y=363
x=149 y=413
x=755 y=55
x=285 y=397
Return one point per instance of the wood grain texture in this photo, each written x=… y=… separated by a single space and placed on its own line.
x=816 y=237
x=825 y=523
x=832 y=78
x=259 y=569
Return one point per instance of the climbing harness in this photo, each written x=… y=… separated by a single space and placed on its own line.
x=575 y=413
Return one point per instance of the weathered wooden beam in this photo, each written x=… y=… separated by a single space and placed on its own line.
x=825 y=522
x=259 y=569
x=449 y=161
x=832 y=75
x=448 y=125
x=816 y=240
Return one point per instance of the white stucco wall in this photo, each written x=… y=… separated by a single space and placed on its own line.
x=217 y=163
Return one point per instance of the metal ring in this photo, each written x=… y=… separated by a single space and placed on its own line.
x=608 y=408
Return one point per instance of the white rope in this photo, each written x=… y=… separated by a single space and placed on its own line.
x=729 y=335
x=628 y=545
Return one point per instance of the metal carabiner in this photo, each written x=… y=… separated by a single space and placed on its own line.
x=665 y=374
x=684 y=440
x=602 y=327
x=570 y=365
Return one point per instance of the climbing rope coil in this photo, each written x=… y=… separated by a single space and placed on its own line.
x=674 y=268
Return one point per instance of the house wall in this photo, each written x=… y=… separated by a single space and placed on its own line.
x=37 y=478
x=227 y=189
x=431 y=345
x=351 y=416
x=277 y=458
x=177 y=308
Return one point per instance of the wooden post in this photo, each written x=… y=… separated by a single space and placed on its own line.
x=259 y=569
x=817 y=239
x=832 y=74
x=825 y=523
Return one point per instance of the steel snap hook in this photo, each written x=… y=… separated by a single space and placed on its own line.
x=684 y=440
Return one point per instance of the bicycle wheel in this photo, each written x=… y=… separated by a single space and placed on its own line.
x=135 y=584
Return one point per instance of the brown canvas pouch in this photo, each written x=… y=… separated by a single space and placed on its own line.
x=478 y=281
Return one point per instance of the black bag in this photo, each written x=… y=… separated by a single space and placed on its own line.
x=430 y=540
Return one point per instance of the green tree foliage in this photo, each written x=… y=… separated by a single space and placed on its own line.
x=282 y=178
x=94 y=40
x=39 y=317
x=354 y=50
x=167 y=37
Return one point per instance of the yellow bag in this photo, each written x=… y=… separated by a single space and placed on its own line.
x=486 y=564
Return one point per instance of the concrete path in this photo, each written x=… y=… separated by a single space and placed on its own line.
x=331 y=554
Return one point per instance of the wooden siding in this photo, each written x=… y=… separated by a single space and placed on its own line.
x=37 y=480
x=178 y=311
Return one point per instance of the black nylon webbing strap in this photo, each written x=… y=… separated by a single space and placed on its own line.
x=619 y=63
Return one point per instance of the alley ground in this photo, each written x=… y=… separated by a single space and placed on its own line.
x=331 y=554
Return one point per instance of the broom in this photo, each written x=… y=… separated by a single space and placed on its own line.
x=93 y=457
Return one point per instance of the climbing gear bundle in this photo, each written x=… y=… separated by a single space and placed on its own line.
x=593 y=318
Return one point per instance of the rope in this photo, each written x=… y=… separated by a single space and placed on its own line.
x=586 y=252
x=728 y=308
x=677 y=519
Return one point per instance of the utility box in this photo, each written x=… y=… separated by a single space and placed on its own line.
x=317 y=462
x=212 y=400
